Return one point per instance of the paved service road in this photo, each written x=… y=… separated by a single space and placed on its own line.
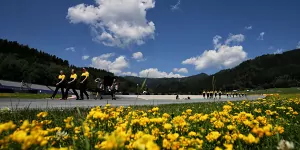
x=48 y=103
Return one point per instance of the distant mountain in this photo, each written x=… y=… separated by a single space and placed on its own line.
x=19 y=62
x=169 y=85
x=266 y=71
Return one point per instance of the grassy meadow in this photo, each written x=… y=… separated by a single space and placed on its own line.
x=261 y=124
x=291 y=90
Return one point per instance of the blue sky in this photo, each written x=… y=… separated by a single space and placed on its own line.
x=110 y=32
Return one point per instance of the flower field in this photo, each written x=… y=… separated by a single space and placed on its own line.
x=261 y=124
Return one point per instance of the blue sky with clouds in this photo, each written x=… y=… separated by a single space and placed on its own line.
x=167 y=38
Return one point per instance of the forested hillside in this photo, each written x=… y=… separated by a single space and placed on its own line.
x=19 y=62
x=267 y=71
x=171 y=85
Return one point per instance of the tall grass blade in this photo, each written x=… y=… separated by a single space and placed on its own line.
x=141 y=88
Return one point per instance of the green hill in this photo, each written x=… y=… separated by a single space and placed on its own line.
x=19 y=62
x=267 y=71
x=170 y=85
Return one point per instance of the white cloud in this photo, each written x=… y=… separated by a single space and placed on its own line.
x=72 y=49
x=216 y=41
x=138 y=56
x=278 y=51
x=176 y=6
x=155 y=73
x=106 y=56
x=116 y=22
x=85 y=57
x=222 y=56
x=235 y=38
x=129 y=74
x=248 y=27
x=115 y=66
x=180 y=70
x=298 y=46
x=261 y=36
x=271 y=47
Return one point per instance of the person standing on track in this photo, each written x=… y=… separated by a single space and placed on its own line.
x=203 y=93
x=114 y=89
x=216 y=93
x=72 y=85
x=83 y=84
x=60 y=85
x=220 y=94
x=99 y=88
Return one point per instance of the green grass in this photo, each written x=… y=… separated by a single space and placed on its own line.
x=27 y=95
x=292 y=90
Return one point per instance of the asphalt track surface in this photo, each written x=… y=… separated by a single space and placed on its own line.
x=48 y=103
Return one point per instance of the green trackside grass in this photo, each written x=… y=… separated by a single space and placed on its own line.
x=284 y=108
x=26 y=95
x=292 y=90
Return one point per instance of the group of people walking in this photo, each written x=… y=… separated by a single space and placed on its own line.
x=235 y=94
x=214 y=94
x=211 y=94
x=72 y=84
x=101 y=88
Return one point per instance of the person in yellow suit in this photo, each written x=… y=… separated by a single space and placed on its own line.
x=72 y=85
x=220 y=94
x=207 y=95
x=203 y=93
x=60 y=85
x=216 y=93
x=83 y=84
x=211 y=93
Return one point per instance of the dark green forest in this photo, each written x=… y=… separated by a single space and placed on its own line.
x=263 y=72
x=20 y=62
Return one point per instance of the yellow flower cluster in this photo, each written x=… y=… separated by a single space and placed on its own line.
x=234 y=126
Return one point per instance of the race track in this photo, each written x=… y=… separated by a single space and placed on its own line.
x=48 y=103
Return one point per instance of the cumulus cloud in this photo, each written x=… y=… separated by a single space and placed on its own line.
x=298 y=46
x=248 y=27
x=106 y=56
x=155 y=73
x=116 y=66
x=278 y=51
x=85 y=57
x=176 y=6
x=116 y=22
x=222 y=56
x=261 y=36
x=138 y=56
x=216 y=41
x=235 y=38
x=72 y=49
x=129 y=74
x=180 y=70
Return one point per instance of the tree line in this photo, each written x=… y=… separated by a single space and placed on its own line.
x=19 y=62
